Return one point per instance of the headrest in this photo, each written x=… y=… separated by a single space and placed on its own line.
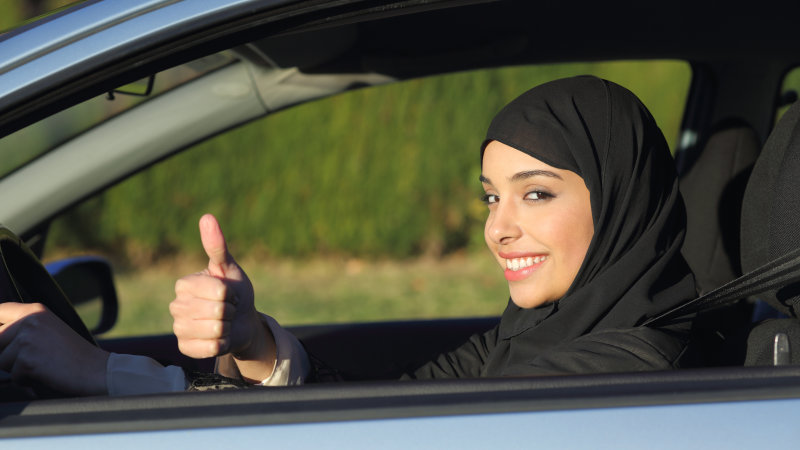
x=771 y=207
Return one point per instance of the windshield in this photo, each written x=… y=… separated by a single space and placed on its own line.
x=23 y=146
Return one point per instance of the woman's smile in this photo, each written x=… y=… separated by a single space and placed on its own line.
x=519 y=267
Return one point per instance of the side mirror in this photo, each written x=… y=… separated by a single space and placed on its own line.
x=89 y=284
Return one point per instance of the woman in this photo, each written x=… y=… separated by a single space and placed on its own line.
x=585 y=221
x=578 y=176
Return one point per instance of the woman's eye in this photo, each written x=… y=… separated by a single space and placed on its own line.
x=490 y=199
x=537 y=195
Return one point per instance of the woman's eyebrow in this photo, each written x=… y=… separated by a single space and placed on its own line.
x=534 y=173
x=525 y=175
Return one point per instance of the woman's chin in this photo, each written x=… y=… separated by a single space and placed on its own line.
x=528 y=301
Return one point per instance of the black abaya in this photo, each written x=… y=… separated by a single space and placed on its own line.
x=633 y=269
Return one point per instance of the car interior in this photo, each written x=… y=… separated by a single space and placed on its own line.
x=269 y=64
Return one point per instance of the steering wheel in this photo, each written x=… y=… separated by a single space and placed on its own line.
x=23 y=278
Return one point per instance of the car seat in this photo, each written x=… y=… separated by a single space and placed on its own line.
x=712 y=187
x=771 y=228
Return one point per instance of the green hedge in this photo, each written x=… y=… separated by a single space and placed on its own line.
x=15 y=12
x=388 y=171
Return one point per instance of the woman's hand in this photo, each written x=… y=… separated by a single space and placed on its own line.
x=214 y=314
x=38 y=347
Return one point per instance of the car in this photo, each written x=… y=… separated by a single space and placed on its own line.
x=257 y=57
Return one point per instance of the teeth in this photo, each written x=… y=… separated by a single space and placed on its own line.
x=521 y=263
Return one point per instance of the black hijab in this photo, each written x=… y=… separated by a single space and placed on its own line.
x=633 y=268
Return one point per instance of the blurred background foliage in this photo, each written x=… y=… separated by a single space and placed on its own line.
x=15 y=12
x=390 y=171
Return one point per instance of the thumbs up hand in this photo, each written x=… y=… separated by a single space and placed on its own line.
x=213 y=310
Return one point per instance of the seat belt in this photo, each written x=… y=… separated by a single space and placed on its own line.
x=772 y=275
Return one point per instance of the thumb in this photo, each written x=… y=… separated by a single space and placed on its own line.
x=215 y=247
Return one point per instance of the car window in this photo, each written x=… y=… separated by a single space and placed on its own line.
x=23 y=146
x=789 y=91
x=359 y=207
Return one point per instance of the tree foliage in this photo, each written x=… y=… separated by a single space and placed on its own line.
x=387 y=171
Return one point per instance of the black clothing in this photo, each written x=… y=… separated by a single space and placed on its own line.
x=616 y=350
x=633 y=269
x=770 y=219
x=770 y=224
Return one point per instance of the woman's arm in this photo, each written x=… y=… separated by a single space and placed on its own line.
x=291 y=367
x=38 y=347
x=615 y=350
x=466 y=361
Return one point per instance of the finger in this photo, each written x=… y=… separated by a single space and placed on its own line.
x=17 y=346
x=214 y=245
x=195 y=309
x=9 y=312
x=201 y=329
x=12 y=311
x=202 y=287
x=198 y=348
x=18 y=321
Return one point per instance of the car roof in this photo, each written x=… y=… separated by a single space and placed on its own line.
x=70 y=54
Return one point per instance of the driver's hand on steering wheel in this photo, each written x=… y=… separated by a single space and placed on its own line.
x=36 y=346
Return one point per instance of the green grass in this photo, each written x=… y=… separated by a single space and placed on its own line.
x=330 y=291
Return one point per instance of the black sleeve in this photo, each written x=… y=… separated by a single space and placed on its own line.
x=619 y=350
x=464 y=362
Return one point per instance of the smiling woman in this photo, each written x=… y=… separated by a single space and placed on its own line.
x=539 y=225
x=578 y=176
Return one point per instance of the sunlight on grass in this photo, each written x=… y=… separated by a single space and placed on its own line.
x=330 y=291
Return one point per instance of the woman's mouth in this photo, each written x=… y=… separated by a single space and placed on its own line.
x=520 y=268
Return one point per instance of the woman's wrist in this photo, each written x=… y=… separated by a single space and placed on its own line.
x=94 y=373
x=257 y=360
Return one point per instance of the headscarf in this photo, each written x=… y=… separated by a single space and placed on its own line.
x=633 y=268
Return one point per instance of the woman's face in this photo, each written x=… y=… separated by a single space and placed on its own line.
x=539 y=225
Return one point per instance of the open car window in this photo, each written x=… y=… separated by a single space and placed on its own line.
x=355 y=208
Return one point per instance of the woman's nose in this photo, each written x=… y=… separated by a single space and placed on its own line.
x=503 y=227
